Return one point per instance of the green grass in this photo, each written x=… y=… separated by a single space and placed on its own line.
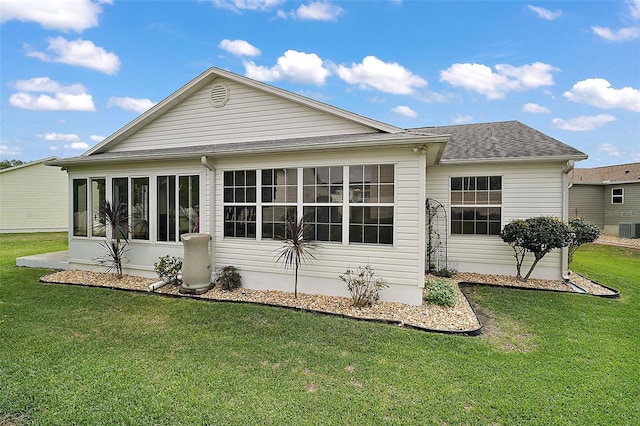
x=76 y=355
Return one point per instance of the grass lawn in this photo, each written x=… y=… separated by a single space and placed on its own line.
x=75 y=355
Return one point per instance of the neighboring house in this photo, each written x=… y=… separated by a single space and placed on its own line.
x=232 y=157
x=33 y=198
x=608 y=197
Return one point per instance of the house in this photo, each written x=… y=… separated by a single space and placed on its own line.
x=32 y=198
x=233 y=157
x=608 y=197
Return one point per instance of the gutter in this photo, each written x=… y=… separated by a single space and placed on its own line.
x=565 y=214
x=204 y=160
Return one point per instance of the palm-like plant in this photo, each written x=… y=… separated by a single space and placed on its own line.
x=115 y=217
x=297 y=249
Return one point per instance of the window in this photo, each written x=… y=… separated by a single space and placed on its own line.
x=189 y=204
x=140 y=208
x=98 y=197
x=80 y=208
x=476 y=205
x=120 y=197
x=322 y=203
x=617 y=196
x=178 y=207
x=371 y=204
x=318 y=193
x=166 y=208
x=239 y=198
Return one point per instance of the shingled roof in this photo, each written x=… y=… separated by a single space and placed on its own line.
x=499 y=141
x=607 y=174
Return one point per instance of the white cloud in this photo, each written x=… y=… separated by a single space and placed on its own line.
x=461 y=119
x=65 y=98
x=389 y=77
x=319 y=11
x=405 y=111
x=598 y=92
x=545 y=13
x=623 y=34
x=583 y=123
x=609 y=149
x=9 y=151
x=67 y=15
x=130 y=104
x=67 y=137
x=79 y=52
x=535 y=108
x=77 y=146
x=239 y=5
x=97 y=138
x=239 y=47
x=297 y=67
x=495 y=85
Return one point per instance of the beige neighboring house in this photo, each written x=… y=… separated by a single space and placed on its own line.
x=34 y=198
x=608 y=197
x=233 y=157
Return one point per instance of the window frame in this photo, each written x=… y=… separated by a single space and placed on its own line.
x=465 y=212
x=619 y=196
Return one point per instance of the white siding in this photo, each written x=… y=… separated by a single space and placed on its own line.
x=33 y=198
x=249 y=115
x=528 y=190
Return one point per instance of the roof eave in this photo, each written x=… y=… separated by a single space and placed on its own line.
x=576 y=157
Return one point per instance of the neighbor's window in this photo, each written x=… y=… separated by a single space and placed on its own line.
x=80 y=208
x=239 y=199
x=476 y=205
x=322 y=199
x=140 y=208
x=617 y=196
x=371 y=207
x=98 y=197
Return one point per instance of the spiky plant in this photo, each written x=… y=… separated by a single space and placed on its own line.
x=115 y=218
x=296 y=249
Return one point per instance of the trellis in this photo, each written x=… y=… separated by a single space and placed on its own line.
x=437 y=231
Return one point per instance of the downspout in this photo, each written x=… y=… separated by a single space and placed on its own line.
x=204 y=160
x=565 y=214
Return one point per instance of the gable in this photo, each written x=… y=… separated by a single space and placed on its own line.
x=220 y=107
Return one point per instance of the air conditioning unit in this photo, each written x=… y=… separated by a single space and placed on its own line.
x=629 y=230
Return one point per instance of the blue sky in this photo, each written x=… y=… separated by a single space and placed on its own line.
x=75 y=71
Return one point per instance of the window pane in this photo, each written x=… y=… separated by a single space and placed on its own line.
x=166 y=207
x=482 y=183
x=140 y=208
x=456 y=184
x=189 y=214
x=80 y=207
x=98 y=197
x=386 y=173
x=495 y=182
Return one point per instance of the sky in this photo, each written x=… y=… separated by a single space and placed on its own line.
x=75 y=71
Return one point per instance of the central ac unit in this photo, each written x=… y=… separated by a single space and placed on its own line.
x=629 y=230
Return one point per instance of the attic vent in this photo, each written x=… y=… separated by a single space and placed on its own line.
x=219 y=95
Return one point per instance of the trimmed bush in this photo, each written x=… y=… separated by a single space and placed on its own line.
x=168 y=268
x=440 y=292
x=229 y=278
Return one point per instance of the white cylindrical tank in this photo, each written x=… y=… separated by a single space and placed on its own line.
x=196 y=263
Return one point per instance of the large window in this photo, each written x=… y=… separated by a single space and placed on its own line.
x=322 y=202
x=178 y=206
x=476 y=205
x=140 y=208
x=316 y=193
x=239 y=198
x=98 y=197
x=80 y=208
x=617 y=196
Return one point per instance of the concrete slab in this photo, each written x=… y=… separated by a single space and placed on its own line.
x=55 y=260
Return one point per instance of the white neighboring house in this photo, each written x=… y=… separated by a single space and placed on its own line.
x=33 y=198
x=232 y=157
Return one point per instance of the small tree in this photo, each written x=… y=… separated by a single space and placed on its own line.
x=115 y=218
x=537 y=235
x=296 y=249
x=583 y=233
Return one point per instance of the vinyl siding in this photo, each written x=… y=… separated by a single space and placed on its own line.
x=195 y=122
x=628 y=212
x=528 y=190
x=33 y=198
x=586 y=201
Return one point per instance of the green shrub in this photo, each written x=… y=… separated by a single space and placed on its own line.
x=440 y=292
x=583 y=232
x=445 y=273
x=363 y=287
x=168 y=268
x=229 y=278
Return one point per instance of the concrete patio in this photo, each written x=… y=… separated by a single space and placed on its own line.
x=55 y=260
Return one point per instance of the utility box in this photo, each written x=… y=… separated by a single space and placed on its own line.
x=629 y=230
x=196 y=264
